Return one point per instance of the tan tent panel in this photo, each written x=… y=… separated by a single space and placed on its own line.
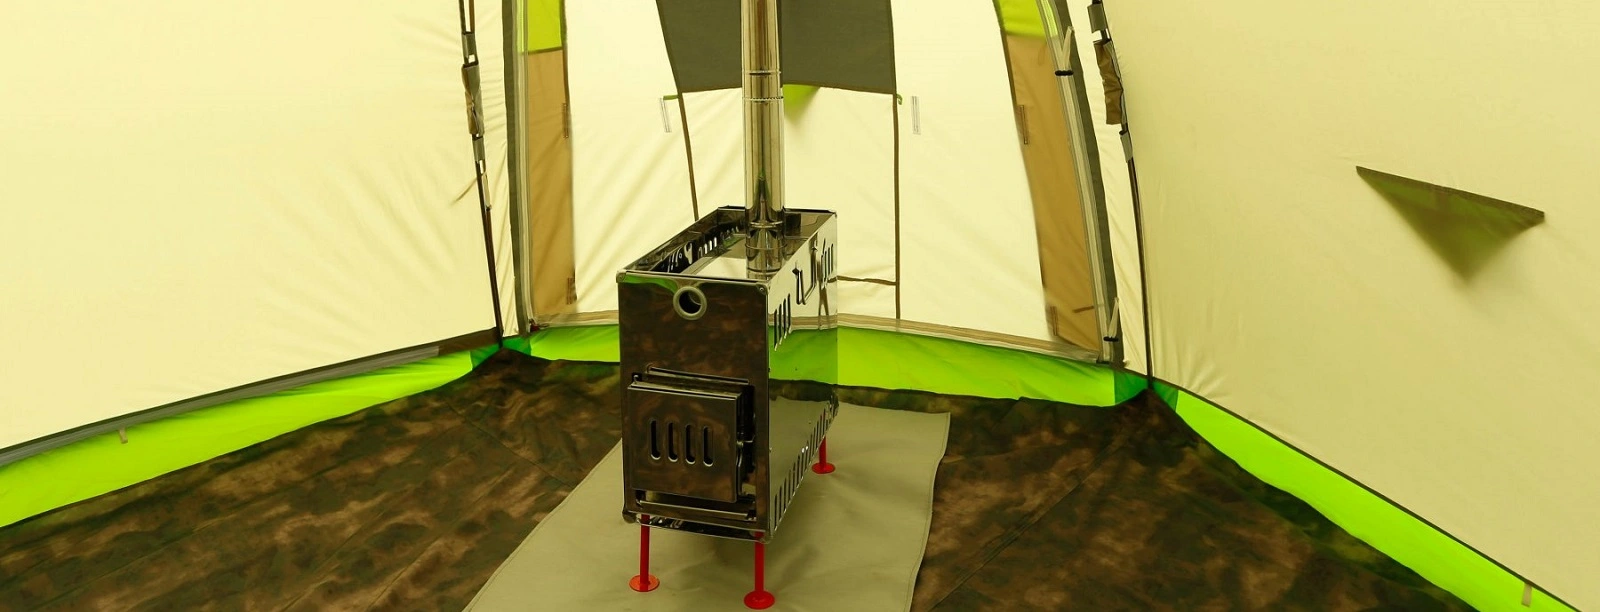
x=1286 y=288
x=549 y=152
x=1057 y=209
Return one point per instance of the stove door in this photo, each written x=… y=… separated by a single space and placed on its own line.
x=684 y=440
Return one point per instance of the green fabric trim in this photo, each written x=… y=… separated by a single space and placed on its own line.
x=1021 y=17
x=103 y=464
x=480 y=355
x=1127 y=385
x=803 y=357
x=888 y=360
x=543 y=20
x=1432 y=554
x=797 y=98
x=587 y=343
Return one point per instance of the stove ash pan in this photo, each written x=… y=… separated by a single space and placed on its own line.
x=726 y=374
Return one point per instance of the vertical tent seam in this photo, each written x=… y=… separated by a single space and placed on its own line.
x=512 y=32
x=894 y=111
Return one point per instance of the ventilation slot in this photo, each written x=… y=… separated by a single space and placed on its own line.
x=680 y=258
x=785 y=491
x=655 y=441
x=672 y=441
x=827 y=263
x=694 y=447
x=688 y=444
x=782 y=322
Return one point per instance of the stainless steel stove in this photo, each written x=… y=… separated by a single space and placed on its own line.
x=728 y=341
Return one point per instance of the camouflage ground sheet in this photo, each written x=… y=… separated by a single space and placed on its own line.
x=414 y=503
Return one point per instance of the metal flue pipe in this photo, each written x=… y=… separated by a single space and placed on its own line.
x=763 y=135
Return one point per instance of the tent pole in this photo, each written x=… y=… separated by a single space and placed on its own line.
x=471 y=79
x=1138 y=210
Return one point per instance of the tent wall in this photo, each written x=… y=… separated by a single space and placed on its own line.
x=1289 y=290
x=631 y=187
x=968 y=245
x=932 y=179
x=202 y=196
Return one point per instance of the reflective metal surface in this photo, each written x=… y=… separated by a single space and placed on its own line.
x=763 y=133
x=728 y=334
x=726 y=373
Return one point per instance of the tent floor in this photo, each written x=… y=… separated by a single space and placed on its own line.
x=414 y=503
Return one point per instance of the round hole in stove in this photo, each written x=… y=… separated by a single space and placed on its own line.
x=689 y=302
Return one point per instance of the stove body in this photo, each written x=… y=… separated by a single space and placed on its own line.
x=728 y=339
x=725 y=372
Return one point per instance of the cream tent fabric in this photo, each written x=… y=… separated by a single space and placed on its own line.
x=938 y=214
x=949 y=57
x=630 y=183
x=215 y=194
x=1287 y=289
x=212 y=195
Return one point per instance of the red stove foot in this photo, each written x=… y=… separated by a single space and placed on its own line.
x=760 y=599
x=822 y=466
x=644 y=582
x=634 y=583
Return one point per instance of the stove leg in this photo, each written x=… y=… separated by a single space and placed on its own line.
x=822 y=466
x=644 y=582
x=760 y=599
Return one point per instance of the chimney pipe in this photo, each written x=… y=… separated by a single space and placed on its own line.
x=763 y=135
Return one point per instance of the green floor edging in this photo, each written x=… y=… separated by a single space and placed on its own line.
x=1408 y=540
x=868 y=358
x=102 y=464
x=898 y=361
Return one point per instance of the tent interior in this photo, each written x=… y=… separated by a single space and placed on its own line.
x=1206 y=303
